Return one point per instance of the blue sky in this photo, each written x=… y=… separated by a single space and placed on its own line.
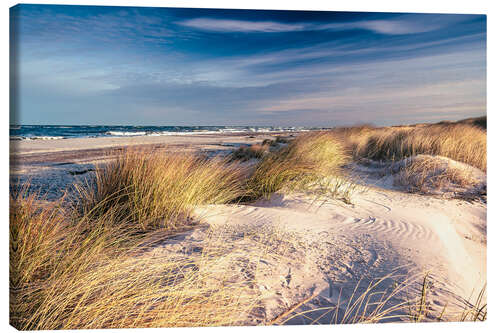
x=174 y=66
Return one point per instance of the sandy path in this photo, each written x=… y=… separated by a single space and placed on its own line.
x=381 y=232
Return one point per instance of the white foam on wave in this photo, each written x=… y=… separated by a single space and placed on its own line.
x=119 y=133
x=165 y=133
x=228 y=130
x=36 y=137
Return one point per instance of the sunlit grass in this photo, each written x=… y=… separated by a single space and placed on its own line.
x=64 y=275
x=425 y=173
x=307 y=159
x=404 y=300
x=155 y=190
x=460 y=142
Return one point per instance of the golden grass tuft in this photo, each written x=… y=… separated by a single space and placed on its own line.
x=48 y=248
x=139 y=291
x=461 y=142
x=307 y=159
x=254 y=151
x=36 y=232
x=424 y=173
x=159 y=191
x=64 y=275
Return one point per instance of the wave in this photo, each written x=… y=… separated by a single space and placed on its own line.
x=53 y=132
x=119 y=133
x=16 y=137
x=182 y=133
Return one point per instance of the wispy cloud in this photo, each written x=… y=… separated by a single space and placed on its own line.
x=240 y=26
x=387 y=27
x=408 y=24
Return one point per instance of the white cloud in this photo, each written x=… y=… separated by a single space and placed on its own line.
x=240 y=26
x=392 y=27
x=408 y=24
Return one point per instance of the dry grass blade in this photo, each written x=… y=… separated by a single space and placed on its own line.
x=478 y=310
x=282 y=316
x=371 y=305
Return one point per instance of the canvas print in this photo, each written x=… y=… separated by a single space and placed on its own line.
x=224 y=167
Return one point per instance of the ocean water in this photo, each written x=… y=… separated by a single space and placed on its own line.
x=56 y=132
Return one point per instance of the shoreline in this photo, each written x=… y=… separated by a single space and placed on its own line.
x=52 y=165
x=29 y=147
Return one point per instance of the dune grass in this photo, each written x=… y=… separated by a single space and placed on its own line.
x=35 y=232
x=461 y=142
x=65 y=275
x=369 y=304
x=406 y=299
x=259 y=150
x=426 y=174
x=159 y=191
x=48 y=248
x=254 y=151
x=81 y=261
x=74 y=263
x=418 y=309
x=307 y=159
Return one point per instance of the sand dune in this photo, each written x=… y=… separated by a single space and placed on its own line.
x=382 y=232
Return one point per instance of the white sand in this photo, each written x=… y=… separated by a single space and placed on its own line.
x=382 y=232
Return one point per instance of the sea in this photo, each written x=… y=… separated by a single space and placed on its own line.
x=57 y=132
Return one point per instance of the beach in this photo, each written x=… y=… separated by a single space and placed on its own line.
x=58 y=163
x=299 y=253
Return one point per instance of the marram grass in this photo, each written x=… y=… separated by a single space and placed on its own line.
x=460 y=142
x=306 y=160
x=153 y=190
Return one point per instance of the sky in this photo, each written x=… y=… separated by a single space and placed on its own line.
x=101 y=65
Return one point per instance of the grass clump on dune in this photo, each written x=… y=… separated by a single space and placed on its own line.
x=392 y=298
x=35 y=232
x=247 y=153
x=259 y=150
x=160 y=191
x=48 y=249
x=308 y=158
x=429 y=174
x=461 y=142
x=74 y=272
